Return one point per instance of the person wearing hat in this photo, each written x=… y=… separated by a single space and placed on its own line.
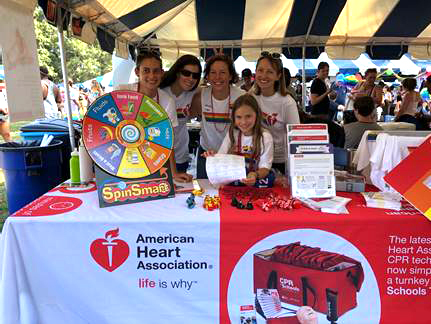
x=51 y=95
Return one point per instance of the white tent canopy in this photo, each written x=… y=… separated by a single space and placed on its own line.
x=343 y=28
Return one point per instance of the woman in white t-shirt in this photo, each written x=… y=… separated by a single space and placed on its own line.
x=248 y=138
x=180 y=82
x=278 y=107
x=149 y=72
x=214 y=104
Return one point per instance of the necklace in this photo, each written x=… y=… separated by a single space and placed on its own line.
x=212 y=111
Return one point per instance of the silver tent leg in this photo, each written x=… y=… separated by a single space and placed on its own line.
x=304 y=86
x=65 y=81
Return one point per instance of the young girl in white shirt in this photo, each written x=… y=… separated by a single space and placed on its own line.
x=248 y=138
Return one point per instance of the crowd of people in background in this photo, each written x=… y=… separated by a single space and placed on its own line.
x=54 y=97
x=246 y=115
x=275 y=100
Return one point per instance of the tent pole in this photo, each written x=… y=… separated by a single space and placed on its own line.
x=65 y=82
x=304 y=86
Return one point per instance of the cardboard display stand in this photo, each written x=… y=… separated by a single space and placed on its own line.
x=130 y=139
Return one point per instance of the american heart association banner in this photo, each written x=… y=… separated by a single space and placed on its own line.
x=281 y=250
x=116 y=272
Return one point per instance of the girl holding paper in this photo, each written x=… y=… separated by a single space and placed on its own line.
x=278 y=107
x=248 y=138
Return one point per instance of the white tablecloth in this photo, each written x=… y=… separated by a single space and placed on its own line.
x=49 y=275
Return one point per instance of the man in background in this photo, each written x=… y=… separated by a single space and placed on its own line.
x=319 y=92
x=366 y=115
x=246 y=77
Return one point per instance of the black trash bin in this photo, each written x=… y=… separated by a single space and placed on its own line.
x=30 y=170
x=59 y=128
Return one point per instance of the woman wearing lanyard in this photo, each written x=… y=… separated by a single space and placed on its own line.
x=180 y=82
x=278 y=107
x=214 y=105
x=149 y=72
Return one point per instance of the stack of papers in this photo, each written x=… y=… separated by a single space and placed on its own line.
x=335 y=205
x=270 y=303
x=386 y=200
x=310 y=161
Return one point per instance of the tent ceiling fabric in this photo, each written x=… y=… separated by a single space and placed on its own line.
x=342 y=28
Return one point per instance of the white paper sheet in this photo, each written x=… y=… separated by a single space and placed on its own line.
x=225 y=168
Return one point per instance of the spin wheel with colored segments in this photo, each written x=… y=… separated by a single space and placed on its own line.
x=127 y=134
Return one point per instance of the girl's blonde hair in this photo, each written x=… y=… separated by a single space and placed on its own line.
x=250 y=101
x=280 y=84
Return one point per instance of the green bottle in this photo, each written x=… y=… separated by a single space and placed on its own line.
x=74 y=168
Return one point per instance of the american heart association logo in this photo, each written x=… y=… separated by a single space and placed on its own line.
x=110 y=253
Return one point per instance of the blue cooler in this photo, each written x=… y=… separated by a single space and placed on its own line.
x=59 y=128
x=30 y=170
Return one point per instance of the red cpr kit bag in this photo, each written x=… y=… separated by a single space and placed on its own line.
x=303 y=275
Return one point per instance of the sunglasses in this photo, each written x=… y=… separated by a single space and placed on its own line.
x=187 y=73
x=268 y=54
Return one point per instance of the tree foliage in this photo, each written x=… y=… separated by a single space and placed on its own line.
x=84 y=61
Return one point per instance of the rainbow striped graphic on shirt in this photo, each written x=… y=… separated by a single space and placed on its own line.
x=183 y=112
x=222 y=118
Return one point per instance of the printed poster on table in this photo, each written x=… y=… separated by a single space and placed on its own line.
x=363 y=267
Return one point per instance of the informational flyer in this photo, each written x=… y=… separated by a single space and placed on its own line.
x=311 y=161
x=225 y=168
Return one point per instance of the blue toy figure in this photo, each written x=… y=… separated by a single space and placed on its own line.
x=191 y=201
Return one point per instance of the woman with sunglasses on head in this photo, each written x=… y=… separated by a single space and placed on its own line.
x=278 y=107
x=214 y=105
x=149 y=71
x=180 y=82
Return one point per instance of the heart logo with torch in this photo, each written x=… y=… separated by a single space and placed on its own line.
x=110 y=253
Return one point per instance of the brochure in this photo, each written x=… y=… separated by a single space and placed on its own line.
x=311 y=162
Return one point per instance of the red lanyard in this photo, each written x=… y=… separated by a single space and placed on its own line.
x=212 y=111
x=157 y=97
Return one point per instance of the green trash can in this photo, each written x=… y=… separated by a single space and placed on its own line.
x=30 y=170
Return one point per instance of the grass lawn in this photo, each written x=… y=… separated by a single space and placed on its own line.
x=14 y=129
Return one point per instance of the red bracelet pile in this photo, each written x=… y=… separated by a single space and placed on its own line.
x=276 y=201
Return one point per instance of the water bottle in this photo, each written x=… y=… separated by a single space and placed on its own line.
x=85 y=165
x=74 y=168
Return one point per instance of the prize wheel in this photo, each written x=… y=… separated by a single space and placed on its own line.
x=127 y=134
